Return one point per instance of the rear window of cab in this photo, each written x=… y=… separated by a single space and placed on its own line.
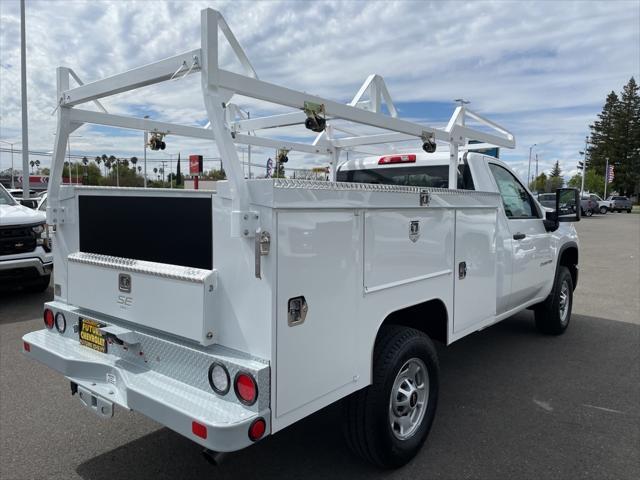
x=431 y=176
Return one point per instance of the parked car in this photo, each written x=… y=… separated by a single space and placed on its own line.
x=547 y=200
x=31 y=202
x=588 y=206
x=604 y=206
x=620 y=204
x=42 y=203
x=25 y=250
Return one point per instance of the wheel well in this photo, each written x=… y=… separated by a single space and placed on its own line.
x=569 y=259
x=429 y=317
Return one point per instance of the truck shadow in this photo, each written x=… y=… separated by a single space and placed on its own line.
x=19 y=305
x=513 y=404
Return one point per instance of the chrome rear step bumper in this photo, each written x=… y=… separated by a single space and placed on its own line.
x=106 y=379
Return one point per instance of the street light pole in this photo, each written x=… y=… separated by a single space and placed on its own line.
x=529 y=171
x=606 y=178
x=146 y=139
x=25 y=119
x=584 y=165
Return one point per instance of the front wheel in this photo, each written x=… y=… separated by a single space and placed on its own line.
x=603 y=210
x=552 y=316
x=387 y=422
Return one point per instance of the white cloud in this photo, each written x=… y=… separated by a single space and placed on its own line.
x=542 y=69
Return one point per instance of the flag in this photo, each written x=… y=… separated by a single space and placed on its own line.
x=610 y=174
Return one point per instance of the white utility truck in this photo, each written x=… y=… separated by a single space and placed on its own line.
x=270 y=299
x=25 y=246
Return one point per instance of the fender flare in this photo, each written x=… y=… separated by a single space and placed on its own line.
x=566 y=246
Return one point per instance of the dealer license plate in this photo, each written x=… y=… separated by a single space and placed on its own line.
x=91 y=336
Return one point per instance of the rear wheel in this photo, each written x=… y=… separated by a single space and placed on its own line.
x=603 y=210
x=553 y=315
x=588 y=212
x=388 y=422
x=629 y=210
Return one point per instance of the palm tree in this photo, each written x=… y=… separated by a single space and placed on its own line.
x=155 y=171
x=37 y=162
x=32 y=163
x=133 y=161
x=162 y=173
x=98 y=160
x=104 y=161
x=139 y=169
x=113 y=161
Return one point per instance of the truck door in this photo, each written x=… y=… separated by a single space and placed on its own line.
x=532 y=258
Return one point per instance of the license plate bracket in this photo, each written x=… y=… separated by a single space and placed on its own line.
x=90 y=335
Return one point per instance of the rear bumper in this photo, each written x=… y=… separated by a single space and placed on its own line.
x=112 y=380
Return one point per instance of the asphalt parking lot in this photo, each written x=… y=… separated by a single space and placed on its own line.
x=514 y=404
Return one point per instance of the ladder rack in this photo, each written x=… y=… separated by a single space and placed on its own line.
x=226 y=129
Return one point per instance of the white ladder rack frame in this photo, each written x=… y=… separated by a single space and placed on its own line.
x=219 y=85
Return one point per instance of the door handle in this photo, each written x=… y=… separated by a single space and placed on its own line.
x=519 y=236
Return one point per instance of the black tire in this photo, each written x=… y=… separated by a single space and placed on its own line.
x=549 y=316
x=367 y=417
x=603 y=210
x=588 y=212
x=39 y=285
x=629 y=211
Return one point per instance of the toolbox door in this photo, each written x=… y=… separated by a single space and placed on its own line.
x=474 y=269
x=319 y=271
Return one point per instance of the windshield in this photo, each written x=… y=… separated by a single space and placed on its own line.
x=434 y=176
x=5 y=198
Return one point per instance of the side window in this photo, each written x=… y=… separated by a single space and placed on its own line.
x=517 y=202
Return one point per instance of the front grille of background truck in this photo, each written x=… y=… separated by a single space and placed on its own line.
x=16 y=239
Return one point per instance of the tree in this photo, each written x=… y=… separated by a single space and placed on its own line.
x=555 y=178
x=37 y=162
x=539 y=184
x=627 y=165
x=615 y=138
x=178 y=173
x=32 y=163
x=214 y=175
x=593 y=182
x=133 y=161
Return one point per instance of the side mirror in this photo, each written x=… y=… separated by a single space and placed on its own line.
x=568 y=209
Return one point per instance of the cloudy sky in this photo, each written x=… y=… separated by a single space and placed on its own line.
x=541 y=69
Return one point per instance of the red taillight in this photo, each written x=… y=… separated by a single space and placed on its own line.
x=48 y=319
x=397 y=159
x=26 y=346
x=246 y=388
x=257 y=429
x=199 y=430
